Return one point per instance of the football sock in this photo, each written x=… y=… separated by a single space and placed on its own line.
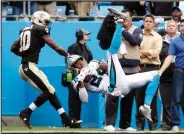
x=151 y=90
x=32 y=106
x=116 y=40
x=148 y=106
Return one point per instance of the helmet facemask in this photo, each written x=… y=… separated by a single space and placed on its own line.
x=46 y=22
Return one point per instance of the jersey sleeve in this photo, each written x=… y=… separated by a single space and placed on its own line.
x=40 y=30
x=172 y=49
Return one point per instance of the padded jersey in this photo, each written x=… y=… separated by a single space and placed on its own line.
x=31 y=42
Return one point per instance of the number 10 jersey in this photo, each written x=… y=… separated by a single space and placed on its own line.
x=31 y=42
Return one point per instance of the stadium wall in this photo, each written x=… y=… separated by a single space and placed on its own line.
x=17 y=94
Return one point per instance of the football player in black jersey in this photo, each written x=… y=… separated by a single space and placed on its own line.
x=32 y=40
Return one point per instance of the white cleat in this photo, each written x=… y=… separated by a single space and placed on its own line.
x=146 y=112
x=175 y=128
x=127 y=129
x=117 y=14
x=109 y=128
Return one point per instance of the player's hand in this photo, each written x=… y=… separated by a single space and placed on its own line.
x=86 y=71
x=68 y=55
x=159 y=72
x=83 y=73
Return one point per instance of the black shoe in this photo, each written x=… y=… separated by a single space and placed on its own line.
x=72 y=123
x=24 y=116
x=154 y=129
x=75 y=126
x=140 y=129
x=117 y=14
x=164 y=129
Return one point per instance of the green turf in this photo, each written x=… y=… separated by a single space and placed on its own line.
x=17 y=128
x=21 y=128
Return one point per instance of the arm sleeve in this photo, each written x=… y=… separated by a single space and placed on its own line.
x=135 y=38
x=83 y=95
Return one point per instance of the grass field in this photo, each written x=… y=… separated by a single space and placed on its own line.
x=48 y=129
x=45 y=130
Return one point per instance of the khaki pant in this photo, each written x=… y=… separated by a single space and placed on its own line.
x=49 y=8
x=30 y=73
x=82 y=8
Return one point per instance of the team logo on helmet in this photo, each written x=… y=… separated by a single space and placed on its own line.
x=41 y=18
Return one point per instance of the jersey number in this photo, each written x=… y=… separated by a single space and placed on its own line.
x=95 y=81
x=25 y=40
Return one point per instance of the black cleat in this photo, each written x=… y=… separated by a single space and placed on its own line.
x=75 y=126
x=117 y=14
x=76 y=122
x=25 y=119
x=73 y=123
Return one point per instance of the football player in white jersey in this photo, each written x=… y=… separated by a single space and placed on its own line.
x=93 y=77
x=115 y=82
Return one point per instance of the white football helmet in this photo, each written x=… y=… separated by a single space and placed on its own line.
x=72 y=59
x=41 y=18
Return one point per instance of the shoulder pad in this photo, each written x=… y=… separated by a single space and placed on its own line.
x=23 y=29
x=94 y=64
x=41 y=29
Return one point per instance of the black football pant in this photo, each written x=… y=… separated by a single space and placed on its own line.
x=106 y=32
x=140 y=94
x=111 y=109
x=30 y=73
x=166 y=96
x=74 y=103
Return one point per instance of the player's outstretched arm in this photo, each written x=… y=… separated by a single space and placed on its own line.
x=54 y=46
x=95 y=64
x=103 y=66
x=15 y=47
x=83 y=94
x=78 y=84
x=168 y=60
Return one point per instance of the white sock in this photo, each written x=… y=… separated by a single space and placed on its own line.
x=148 y=106
x=32 y=106
x=60 y=111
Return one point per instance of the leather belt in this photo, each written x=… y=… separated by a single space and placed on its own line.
x=180 y=69
x=149 y=65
